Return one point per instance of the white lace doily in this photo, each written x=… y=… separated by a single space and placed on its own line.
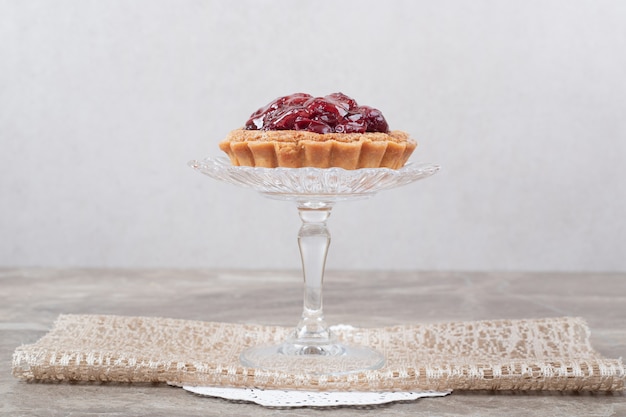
x=280 y=398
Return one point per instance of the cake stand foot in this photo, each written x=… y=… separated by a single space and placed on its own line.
x=313 y=348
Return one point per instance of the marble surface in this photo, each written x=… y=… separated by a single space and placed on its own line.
x=30 y=300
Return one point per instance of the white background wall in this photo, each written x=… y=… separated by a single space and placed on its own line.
x=522 y=102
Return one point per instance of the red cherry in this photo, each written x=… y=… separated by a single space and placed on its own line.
x=284 y=120
x=312 y=126
x=357 y=126
x=295 y=100
x=342 y=100
x=374 y=118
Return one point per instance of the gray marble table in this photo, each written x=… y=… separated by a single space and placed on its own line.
x=30 y=300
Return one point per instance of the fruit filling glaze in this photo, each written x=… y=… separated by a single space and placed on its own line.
x=334 y=113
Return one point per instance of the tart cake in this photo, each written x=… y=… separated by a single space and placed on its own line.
x=300 y=130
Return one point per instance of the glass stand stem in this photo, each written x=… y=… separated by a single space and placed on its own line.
x=312 y=347
x=313 y=239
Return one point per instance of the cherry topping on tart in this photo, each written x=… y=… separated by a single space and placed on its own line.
x=334 y=113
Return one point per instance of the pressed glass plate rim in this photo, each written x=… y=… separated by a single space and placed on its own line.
x=333 y=182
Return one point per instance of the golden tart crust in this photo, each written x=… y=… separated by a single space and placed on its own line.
x=298 y=148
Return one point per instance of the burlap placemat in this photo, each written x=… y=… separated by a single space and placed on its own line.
x=542 y=354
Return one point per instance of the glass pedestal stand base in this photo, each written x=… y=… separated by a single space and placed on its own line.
x=336 y=359
x=312 y=348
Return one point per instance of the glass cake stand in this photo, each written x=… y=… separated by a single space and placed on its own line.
x=312 y=347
